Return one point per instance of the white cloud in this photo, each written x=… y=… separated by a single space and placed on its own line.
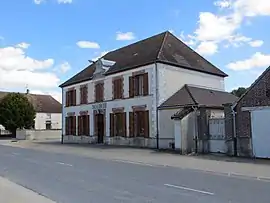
x=207 y=48
x=88 y=45
x=188 y=40
x=39 y=1
x=215 y=28
x=100 y=55
x=125 y=36
x=258 y=60
x=223 y=3
x=64 y=1
x=17 y=70
x=23 y=45
x=256 y=43
x=64 y=67
x=251 y=8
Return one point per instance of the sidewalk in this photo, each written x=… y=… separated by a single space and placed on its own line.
x=13 y=193
x=258 y=169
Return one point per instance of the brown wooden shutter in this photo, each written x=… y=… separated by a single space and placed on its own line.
x=121 y=81
x=66 y=98
x=124 y=125
x=74 y=98
x=131 y=124
x=73 y=125
x=113 y=89
x=79 y=127
x=146 y=123
x=87 y=125
x=95 y=124
x=112 y=124
x=145 y=84
x=131 y=86
x=66 y=125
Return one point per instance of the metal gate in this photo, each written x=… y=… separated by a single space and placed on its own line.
x=217 y=142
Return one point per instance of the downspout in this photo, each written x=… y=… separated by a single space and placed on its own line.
x=62 y=136
x=156 y=85
x=196 y=129
x=234 y=132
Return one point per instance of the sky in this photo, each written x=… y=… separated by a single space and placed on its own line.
x=45 y=42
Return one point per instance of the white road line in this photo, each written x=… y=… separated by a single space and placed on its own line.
x=15 y=154
x=133 y=162
x=65 y=164
x=189 y=189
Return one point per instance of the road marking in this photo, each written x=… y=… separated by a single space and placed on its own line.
x=189 y=189
x=65 y=164
x=15 y=154
x=133 y=162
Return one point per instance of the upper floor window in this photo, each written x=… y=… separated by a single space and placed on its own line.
x=71 y=97
x=118 y=88
x=138 y=85
x=83 y=94
x=48 y=116
x=99 y=92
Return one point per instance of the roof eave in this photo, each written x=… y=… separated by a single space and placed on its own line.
x=188 y=68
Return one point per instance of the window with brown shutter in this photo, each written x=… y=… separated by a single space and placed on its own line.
x=99 y=92
x=138 y=85
x=118 y=88
x=139 y=123
x=71 y=125
x=83 y=125
x=84 y=95
x=71 y=98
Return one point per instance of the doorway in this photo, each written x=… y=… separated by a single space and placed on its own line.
x=100 y=127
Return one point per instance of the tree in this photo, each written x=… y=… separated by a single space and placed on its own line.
x=239 y=92
x=16 y=112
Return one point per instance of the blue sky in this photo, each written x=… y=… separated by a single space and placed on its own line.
x=44 y=42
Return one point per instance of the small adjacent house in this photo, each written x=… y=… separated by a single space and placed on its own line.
x=48 y=111
x=252 y=119
x=198 y=114
x=115 y=100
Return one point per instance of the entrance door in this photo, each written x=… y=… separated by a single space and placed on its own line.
x=100 y=127
x=260 y=133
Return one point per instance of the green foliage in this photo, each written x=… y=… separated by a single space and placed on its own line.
x=239 y=92
x=16 y=112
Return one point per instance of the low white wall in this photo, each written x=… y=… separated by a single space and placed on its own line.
x=38 y=134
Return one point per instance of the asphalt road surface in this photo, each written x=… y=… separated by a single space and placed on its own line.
x=76 y=179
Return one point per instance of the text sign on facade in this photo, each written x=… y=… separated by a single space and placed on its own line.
x=99 y=106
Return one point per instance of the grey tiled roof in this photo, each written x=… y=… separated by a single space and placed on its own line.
x=163 y=48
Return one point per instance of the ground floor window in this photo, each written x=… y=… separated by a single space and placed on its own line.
x=71 y=125
x=83 y=125
x=48 y=125
x=118 y=124
x=139 y=124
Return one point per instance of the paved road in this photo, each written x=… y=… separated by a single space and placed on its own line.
x=71 y=178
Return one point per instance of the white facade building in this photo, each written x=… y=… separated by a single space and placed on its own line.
x=163 y=77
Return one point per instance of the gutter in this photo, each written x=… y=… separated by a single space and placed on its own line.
x=157 y=121
x=62 y=136
x=234 y=131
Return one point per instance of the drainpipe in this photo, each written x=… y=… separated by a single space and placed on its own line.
x=234 y=132
x=62 y=136
x=196 y=129
x=157 y=126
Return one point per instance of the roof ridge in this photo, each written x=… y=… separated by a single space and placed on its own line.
x=186 y=87
x=162 y=44
x=251 y=86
